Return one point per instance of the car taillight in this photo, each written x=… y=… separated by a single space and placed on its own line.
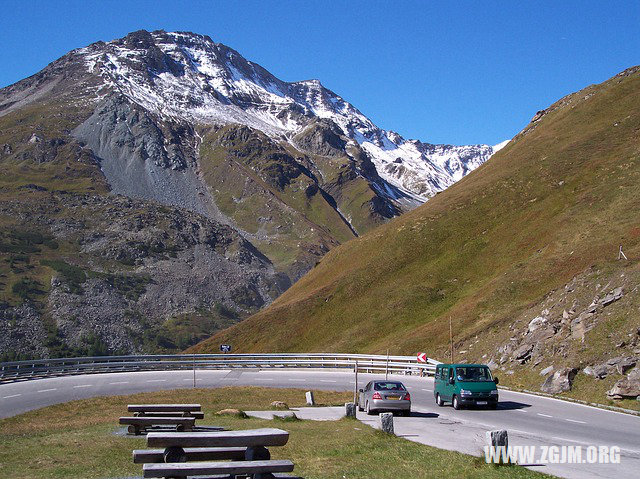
x=376 y=396
x=407 y=397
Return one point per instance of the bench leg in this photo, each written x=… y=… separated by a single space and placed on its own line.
x=258 y=453
x=174 y=454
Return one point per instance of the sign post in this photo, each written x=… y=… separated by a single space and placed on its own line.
x=355 y=390
x=386 y=371
x=225 y=348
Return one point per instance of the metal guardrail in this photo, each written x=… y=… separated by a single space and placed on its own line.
x=43 y=368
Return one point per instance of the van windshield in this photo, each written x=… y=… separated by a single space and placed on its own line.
x=473 y=373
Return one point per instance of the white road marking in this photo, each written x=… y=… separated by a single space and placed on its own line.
x=427 y=390
x=328 y=381
x=47 y=390
x=119 y=382
x=12 y=396
x=263 y=379
x=156 y=380
x=543 y=415
x=83 y=386
x=521 y=410
x=576 y=421
x=569 y=440
x=298 y=380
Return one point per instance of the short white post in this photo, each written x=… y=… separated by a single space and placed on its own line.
x=310 y=399
x=350 y=409
x=386 y=422
x=497 y=438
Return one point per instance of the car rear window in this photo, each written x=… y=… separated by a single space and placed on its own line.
x=389 y=386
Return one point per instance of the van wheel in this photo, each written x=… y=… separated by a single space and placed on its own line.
x=439 y=400
x=456 y=403
x=369 y=411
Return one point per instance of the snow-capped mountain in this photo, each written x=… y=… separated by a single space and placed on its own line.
x=181 y=181
x=188 y=77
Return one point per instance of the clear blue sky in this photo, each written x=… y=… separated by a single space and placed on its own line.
x=445 y=72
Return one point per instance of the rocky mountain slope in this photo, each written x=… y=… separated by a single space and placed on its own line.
x=184 y=187
x=522 y=256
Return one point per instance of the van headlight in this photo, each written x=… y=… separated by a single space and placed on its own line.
x=464 y=392
x=494 y=392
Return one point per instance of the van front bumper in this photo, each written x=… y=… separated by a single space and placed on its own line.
x=478 y=401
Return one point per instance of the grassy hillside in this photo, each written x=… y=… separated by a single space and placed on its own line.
x=554 y=204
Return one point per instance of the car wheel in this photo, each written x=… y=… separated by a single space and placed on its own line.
x=369 y=411
x=439 y=400
x=456 y=403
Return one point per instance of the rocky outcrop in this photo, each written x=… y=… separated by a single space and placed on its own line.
x=560 y=381
x=619 y=365
x=136 y=265
x=22 y=332
x=627 y=388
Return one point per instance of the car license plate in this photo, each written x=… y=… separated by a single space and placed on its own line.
x=393 y=397
x=481 y=403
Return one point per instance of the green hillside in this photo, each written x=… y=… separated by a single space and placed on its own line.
x=502 y=246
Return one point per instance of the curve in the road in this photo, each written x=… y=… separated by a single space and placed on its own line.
x=530 y=419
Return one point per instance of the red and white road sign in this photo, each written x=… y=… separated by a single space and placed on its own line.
x=422 y=357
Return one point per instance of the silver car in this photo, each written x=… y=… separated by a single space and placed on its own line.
x=385 y=395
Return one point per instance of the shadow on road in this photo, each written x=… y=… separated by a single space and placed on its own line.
x=423 y=414
x=512 y=405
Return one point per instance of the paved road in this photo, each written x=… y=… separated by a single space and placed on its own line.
x=530 y=420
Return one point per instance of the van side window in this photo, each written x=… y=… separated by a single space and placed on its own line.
x=450 y=373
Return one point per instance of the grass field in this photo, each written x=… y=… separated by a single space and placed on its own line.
x=80 y=439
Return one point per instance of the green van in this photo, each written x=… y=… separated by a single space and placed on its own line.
x=465 y=385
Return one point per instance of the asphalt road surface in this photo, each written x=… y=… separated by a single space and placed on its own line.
x=530 y=420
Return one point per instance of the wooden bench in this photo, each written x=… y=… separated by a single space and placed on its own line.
x=175 y=409
x=194 y=414
x=138 y=424
x=258 y=469
x=247 y=438
x=145 y=456
x=246 y=449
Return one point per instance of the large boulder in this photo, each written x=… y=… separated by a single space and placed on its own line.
x=560 y=381
x=628 y=387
